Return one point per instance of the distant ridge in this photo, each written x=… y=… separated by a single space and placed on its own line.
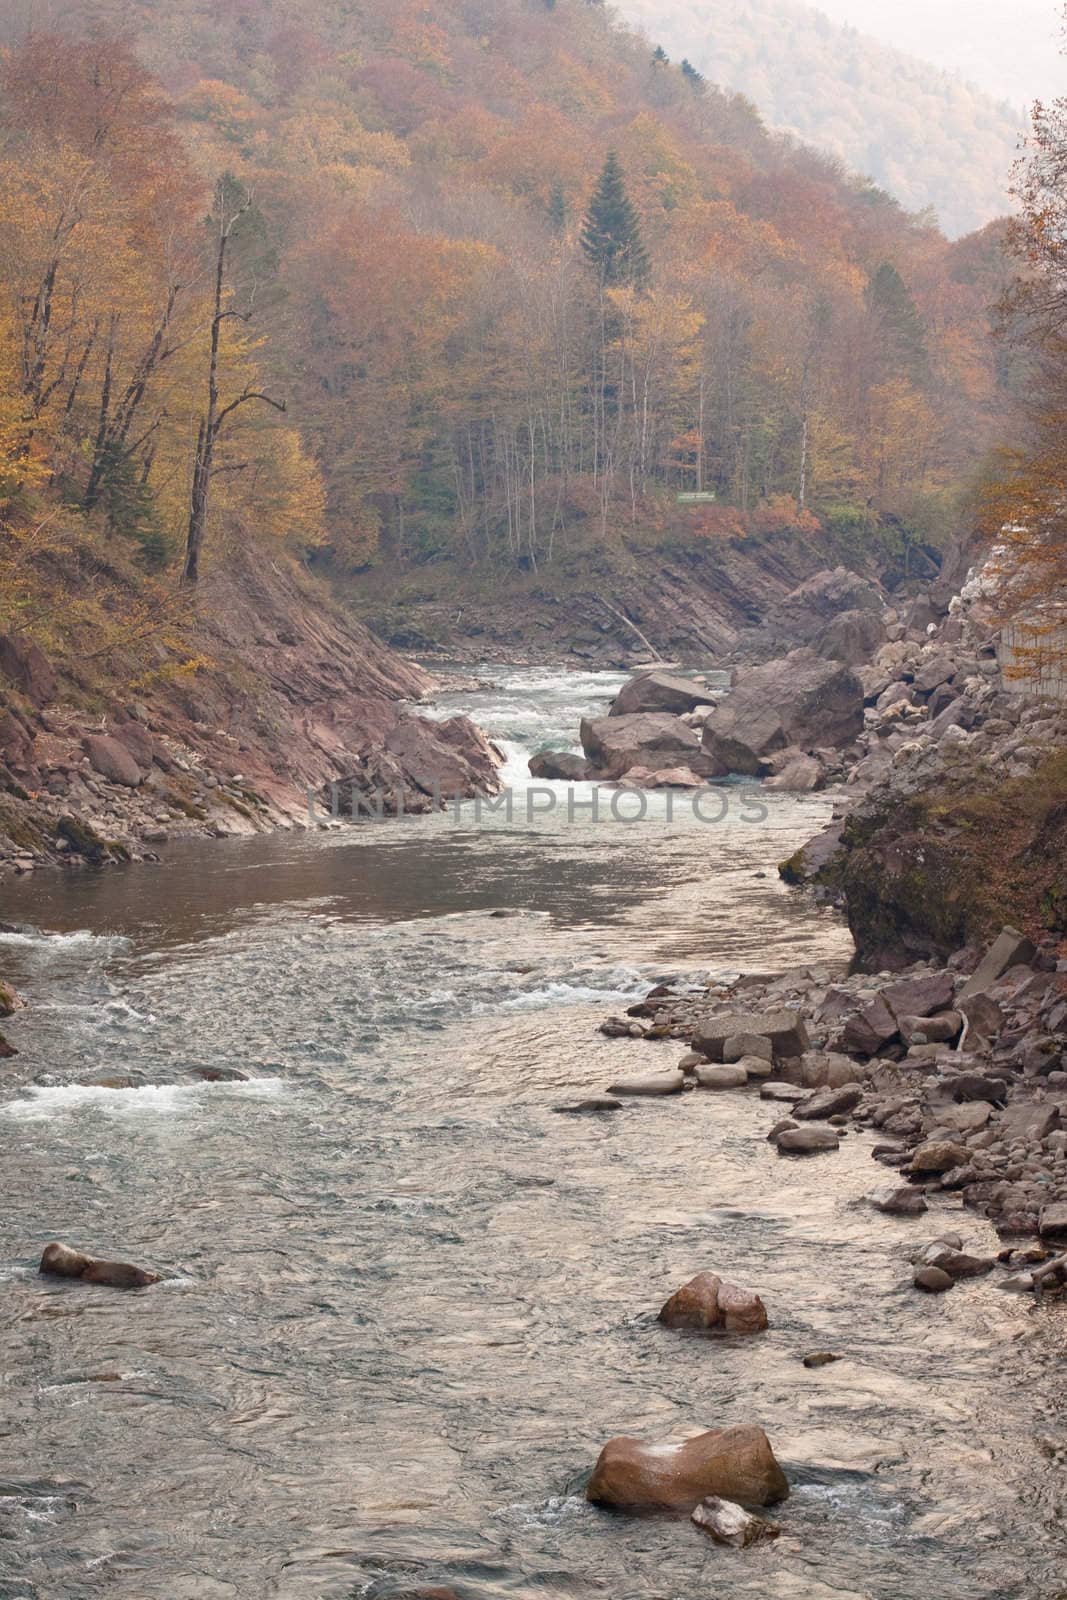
x=925 y=135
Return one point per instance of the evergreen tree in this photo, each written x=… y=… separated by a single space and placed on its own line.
x=611 y=236
x=558 y=208
x=901 y=326
x=660 y=58
x=692 y=76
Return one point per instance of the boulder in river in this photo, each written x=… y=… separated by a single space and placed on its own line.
x=653 y=740
x=734 y=1463
x=658 y=691
x=803 y=700
x=898 y=1200
x=937 y=1156
x=649 y=1084
x=61 y=1261
x=590 y=1106
x=731 y=1524
x=732 y=1077
x=807 y=1141
x=827 y=1103
x=706 y=1302
x=559 y=766
x=932 y=1280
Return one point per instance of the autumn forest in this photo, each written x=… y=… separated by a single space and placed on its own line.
x=481 y=280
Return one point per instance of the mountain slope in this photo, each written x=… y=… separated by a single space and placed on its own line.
x=921 y=133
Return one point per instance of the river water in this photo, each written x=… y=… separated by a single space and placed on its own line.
x=405 y=1304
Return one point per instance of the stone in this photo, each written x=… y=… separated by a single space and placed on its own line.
x=807 y=1141
x=650 y=739
x=788 y=1093
x=756 y=1068
x=112 y=760
x=1027 y=1123
x=784 y=1030
x=936 y=1157
x=658 y=691
x=921 y=996
x=958 y=1264
x=942 y=1029
x=706 y=1303
x=985 y=1018
x=735 y=1463
x=649 y=1084
x=1052 y=1222
x=731 y=1524
x=747 y=1044
x=871 y=1028
x=588 y=1107
x=898 y=1200
x=969 y=1117
x=932 y=1280
x=936 y=672
x=826 y=1103
x=801 y=699
x=799 y=776
x=1010 y=949
x=820 y=1358
x=691 y=1060
x=779 y=1127
x=853 y=637
x=559 y=766
x=26 y=666
x=60 y=1260
x=734 y=1077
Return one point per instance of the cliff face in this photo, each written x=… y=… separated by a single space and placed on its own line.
x=268 y=694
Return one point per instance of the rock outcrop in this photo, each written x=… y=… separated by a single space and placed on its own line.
x=802 y=702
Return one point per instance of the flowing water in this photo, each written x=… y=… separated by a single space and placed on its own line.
x=405 y=1304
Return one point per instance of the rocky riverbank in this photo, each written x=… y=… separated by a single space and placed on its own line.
x=283 y=696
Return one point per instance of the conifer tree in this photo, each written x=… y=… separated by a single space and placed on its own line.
x=611 y=236
x=900 y=324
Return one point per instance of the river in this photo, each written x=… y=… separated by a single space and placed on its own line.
x=405 y=1304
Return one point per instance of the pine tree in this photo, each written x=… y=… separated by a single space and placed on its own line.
x=900 y=324
x=660 y=58
x=558 y=209
x=693 y=77
x=611 y=236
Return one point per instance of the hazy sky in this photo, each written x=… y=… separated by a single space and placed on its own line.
x=1010 y=47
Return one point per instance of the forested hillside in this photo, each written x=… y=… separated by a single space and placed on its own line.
x=927 y=136
x=340 y=273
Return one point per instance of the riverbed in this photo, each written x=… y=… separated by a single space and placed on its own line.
x=405 y=1303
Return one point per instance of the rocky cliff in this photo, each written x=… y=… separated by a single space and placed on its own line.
x=224 y=725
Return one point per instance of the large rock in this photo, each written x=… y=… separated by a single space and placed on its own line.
x=452 y=757
x=807 y=1141
x=112 y=760
x=853 y=637
x=937 y=1156
x=26 y=666
x=870 y=1028
x=801 y=700
x=649 y=739
x=61 y=1261
x=731 y=1077
x=649 y=1084
x=732 y=1463
x=898 y=1200
x=1053 y=1222
x=559 y=766
x=783 y=1030
x=827 y=1103
x=920 y=996
x=706 y=1303
x=1010 y=949
x=658 y=691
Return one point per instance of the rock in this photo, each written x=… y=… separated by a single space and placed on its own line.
x=826 y=1103
x=807 y=1141
x=731 y=1524
x=756 y=1067
x=957 y=1263
x=740 y=1045
x=26 y=666
x=61 y=1261
x=820 y=1358
x=800 y=700
x=743 y=1310
x=853 y=637
x=112 y=760
x=1053 y=1221
x=650 y=739
x=920 y=996
x=937 y=1156
x=1027 y=1123
x=665 y=778
x=695 y=1305
x=788 y=1093
x=734 y=1077
x=779 y=1127
x=7 y=1049
x=932 y=1280
x=799 y=776
x=735 y=1463
x=985 y=1019
x=691 y=1060
x=967 y=1118
x=936 y=672
x=587 y=1107
x=870 y=1029
x=658 y=691
x=784 y=1031
x=943 y=1029
x=649 y=1084
x=559 y=766
x=1010 y=949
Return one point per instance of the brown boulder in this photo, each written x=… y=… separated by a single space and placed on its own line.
x=920 y=996
x=733 y=1463
x=731 y=1524
x=28 y=668
x=802 y=700
x=658 y=691
x=653 y=740
x=559 y=766
x=870 y=1028
x=784 y=1031
x=61 y=1261
x=112 y=760
x=706 y=1302
x=937 y=1156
